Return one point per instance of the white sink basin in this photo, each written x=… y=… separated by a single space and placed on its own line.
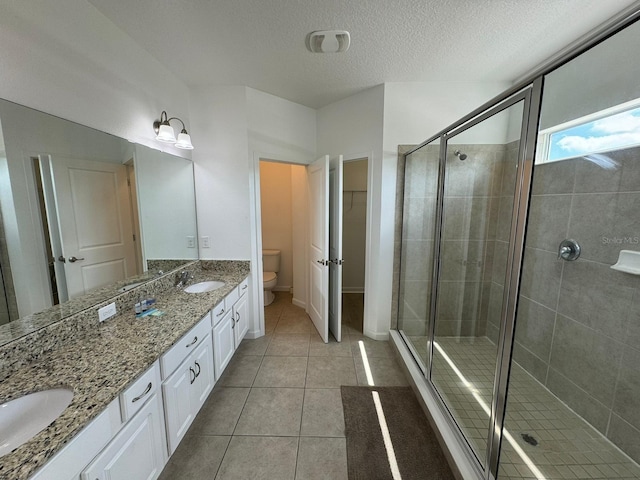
x=22 y=418
x=203 y=287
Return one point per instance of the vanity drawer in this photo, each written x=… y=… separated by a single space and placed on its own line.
x=134 y=397
x=243 y=287
x=231 y=299
x=218 y=313
x=173 y=357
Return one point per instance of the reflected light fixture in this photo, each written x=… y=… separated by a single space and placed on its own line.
x=164 y=132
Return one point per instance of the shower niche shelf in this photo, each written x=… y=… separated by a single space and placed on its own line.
x=628 y=262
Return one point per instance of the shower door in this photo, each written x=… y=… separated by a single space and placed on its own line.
x=481 y=161
x=421 y=169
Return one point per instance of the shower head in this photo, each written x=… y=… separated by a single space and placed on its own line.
x=460 y=155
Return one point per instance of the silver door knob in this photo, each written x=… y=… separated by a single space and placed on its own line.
x=74 y=259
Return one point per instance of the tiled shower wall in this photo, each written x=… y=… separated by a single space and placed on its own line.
x=578 y=323
x=414 y=235
x=477 y=210
x=475 y=218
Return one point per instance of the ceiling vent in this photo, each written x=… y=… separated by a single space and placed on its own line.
x=328 y=41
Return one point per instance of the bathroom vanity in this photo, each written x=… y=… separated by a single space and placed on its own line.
x=137 y=383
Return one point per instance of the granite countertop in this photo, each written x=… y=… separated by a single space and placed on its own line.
x=100 y=366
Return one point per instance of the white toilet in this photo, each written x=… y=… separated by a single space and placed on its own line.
x=270 y=269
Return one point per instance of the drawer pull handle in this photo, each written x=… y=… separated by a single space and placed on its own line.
x=221 y=312
x=146 y=390
x=198 y=373
x=193 y=379
x=195 y=339
x=244 y=287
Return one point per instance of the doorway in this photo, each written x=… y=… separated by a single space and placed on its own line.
x=283 y=229
x=354 y=239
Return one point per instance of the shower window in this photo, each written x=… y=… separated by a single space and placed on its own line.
x=603 y=131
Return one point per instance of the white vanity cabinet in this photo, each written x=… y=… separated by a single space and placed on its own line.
x=138 y=451
x=186 y=389
x=223 y=343
x=229 y=331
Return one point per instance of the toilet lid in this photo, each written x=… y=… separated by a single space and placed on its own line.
x=268 y=276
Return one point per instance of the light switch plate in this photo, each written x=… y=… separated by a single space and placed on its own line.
x=191 y=241
x=107 y=312
x=205 y=242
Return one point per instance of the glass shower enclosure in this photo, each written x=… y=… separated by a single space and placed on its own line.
x=519 y=262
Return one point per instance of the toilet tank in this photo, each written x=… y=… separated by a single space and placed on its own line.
x=271 y=261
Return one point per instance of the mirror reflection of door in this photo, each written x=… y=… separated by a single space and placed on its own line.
x=91 y=229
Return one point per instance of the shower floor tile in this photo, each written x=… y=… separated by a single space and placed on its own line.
x=565 y=445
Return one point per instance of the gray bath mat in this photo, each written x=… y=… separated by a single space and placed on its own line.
x=417 y=451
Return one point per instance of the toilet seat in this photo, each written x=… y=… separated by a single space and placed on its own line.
x=268 y=276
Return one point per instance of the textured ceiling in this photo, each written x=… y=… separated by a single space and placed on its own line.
x=261 y=43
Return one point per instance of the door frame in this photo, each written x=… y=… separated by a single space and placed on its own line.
x=368 y=281
x=256 y=305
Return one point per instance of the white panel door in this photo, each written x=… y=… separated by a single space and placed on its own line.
x=318 y=180
x=241 y=318
x=94 y=214
x=335 y=247
x=204 y=373
x=223 y=343
x=179 y=410
x=138 y=451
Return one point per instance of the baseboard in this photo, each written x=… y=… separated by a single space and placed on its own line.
x=352 y=289
x=253 y=334
x=299 y=303
x=382 y=337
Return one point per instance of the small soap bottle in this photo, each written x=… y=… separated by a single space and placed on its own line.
x=138 y=307
x=143 y=304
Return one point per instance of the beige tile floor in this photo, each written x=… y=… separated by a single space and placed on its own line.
x=568 y=447
x=276 y=413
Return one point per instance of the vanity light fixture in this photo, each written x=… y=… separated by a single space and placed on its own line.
x=164 y=132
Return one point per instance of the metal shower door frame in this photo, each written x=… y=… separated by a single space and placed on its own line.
x=531 y=98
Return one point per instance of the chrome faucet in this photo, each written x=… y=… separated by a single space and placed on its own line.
x=182 y=279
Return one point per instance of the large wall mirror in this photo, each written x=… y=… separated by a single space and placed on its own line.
x=84 y=215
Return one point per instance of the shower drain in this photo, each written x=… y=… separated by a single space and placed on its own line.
x=529 y=439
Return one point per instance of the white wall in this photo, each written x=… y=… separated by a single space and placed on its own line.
x=66 y=58
x=280 y=129
x=353 y=127
x=221 y=164
x=276 y=210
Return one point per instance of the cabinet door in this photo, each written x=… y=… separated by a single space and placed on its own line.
x=205 y=379
x=138 y=451
x=241 y=317
x=178 y=403
x=223 y=343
